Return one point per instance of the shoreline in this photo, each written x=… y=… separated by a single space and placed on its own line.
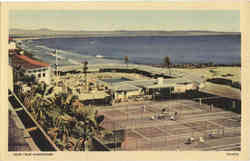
x=160 y=65
x=177 y=66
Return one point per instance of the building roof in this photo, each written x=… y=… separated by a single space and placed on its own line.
x=124 y=87
x=93 y=95
x=28 y=63
x=142 y=83
x=153 y=83
x=222 y=90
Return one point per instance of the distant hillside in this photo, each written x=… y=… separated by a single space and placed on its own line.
x=44 y=32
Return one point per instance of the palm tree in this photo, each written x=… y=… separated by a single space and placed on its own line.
x=61 y=127
x=126 y=60
x=64 y=101
x=64 y=130
x=88 y=125
x=39 y=101
x=57 y=116
x=53 y=133
x=167 y=63
x=85 y=69
x=19 y=72
x=18 y=89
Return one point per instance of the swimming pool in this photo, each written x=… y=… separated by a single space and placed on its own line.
x=115 y=80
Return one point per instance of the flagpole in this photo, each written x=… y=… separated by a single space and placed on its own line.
x=56 y=69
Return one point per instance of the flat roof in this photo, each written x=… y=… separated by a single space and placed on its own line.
x=153 y=83
x=94 y=95
x=222 y=90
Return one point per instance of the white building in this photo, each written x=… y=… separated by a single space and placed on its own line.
x=12 y=45
x=10 y=78
x=41 y=74
x=40 y=70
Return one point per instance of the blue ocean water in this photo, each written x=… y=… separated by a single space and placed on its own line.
x=224 y=49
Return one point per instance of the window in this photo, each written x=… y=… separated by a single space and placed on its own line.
x=39 y=75
x=44 y=74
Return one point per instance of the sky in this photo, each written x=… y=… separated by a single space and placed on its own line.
x=106 y=20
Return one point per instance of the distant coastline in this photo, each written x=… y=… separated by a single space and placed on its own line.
x=47 y=33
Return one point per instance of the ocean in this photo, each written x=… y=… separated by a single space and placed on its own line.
x=220 y=49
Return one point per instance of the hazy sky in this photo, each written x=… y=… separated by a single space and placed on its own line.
x=126 y=20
